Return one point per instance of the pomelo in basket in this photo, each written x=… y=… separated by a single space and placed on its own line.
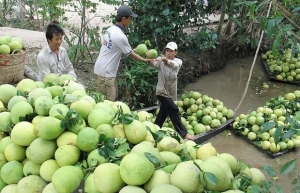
x=67 y=155
x=4 y=49
x=32 y=183
x=135 y=132
x=107 y=178
x=4 y=40
x=48 y=168
x=165 y=188
x=158 y=177
x=31 y=168
x=132 y=189
x=135 y=169
x=99 y=116
x=89 y=185
x=5 y=122
x=14 y=100
x=67 y=178
x=41 y=150
x=87 y=139
x=15 y=45
x=19 y=110
x=49 y=128
x=23 y=133
x=83 y=107
x=7 y=91
x=141 y=49
x=187 y=177
x=169 y=144
x=26 y=85
x=12 y=172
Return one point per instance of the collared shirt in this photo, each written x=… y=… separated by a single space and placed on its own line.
x=48 y=62
x=167 y=77
x=114 y=45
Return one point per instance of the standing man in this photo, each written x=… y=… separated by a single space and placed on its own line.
x=114 y=45
x=54 y=58
x=168 y=67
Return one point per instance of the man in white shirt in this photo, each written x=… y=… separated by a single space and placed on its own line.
x=54 y=58
x=114 y=45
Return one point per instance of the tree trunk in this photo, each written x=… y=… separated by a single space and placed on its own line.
x=220 y=26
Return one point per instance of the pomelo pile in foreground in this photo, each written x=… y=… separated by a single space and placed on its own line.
x=53 y=143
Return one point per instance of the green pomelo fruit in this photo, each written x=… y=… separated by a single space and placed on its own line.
x=7 y=91
x=31 y=168
x=119 y=104
x=67 y=155
x=169 y=168
x=43 y=104
x=39 y=84
x=143 y=115
x=58 y=111
x=55 y=90
x=75 y=86
x=141 y=49
x=98 y=117
x=258 y=177
x=87 y=139
x=2 y=160
x=79 y=93
x=48 y=168
x=67 y=99
x=158 y=177
x=49 y=128
x=169 y=144
x=10 y=188
x=105 y=106
x=49 y=188
x=20 y=110
x=5 y=142
x=119 y=131
x=14 y=152
x=5 y=122
x=26 y=85
x=166 y=188
x=41 y=150
x=233 y=191
x=135 y=132
x=90 y=99
x=150 y=138
x=143 y=148
x=32 y=183
x=94 y=158
x=67 y=178
x=222 y=163
x=14 y=100
x=132 y=189
x=107 y=178
x=89 y=185
x=206 y=120
x=83 y=107
x=187 y=177
x=2 y=184
x=15 y=45
x=232 y=162
x=51 y=79
x=223 y=181
x=151 y=54
x=151 y=126
x=107 y=130
x=23 y=133
x=66 y=138
x=12 y=172
x=4 y=40
x=62 y=78
x=78 y=127
x=136 y=169
x=38 y=92
x=205 y=151
x=36 y=119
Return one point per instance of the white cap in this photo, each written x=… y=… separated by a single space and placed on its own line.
x=172 y=46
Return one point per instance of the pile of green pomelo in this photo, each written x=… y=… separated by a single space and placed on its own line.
x=10 y=44
x=283 y=66
x=57 y=137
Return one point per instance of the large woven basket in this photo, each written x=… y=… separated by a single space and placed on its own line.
x=12 y=67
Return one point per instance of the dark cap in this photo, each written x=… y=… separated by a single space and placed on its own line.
x=125 y=11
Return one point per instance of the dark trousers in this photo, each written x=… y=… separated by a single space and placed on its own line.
x=169 y=108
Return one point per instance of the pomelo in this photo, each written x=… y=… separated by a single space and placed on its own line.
x=119 y=131
x=36 y=119
x=7 y=91
x=106 y=129
x=107 y=178
x=5 y=142
x=83 y=107
x=23 y=133
x=141 y=50
x=205 y=151
x=2 y=160
x=74 y=86
x=166 y=188
x=223 y=164
x=14 y=100
x=105 y=106
x=32 y=183
x=51 y=79
x=151 y=54
x=15 y=45
x=66 y=138
x=26 y=85
x=187 y=177
x=55 y=90
x=49 y=128
x=4 y=40
x=135 y=132
x=67 y=178
x=232 y=162
x=48 y=168
x=36 y=93
x=12 y=172
x=132 y=189
x=89 y=185
x=79 y=126
x=67 y=155
x=87 y=139
x=136 y=169
x=169 y=144
x=39 y=84
x=43 y=104
x=99 y=116
x=90 y=99
x=41 y=150
x=5 y=122
x=64 y=77
x=49 y=188
x=119 y=104
x=258 y=177
x=151 y=126
x=94 y=158
x=79 y=93
x=158 y=177
x=10 y=188
x=20 y=110
x=143 y=115
x=58 y=111
x=14 y=152
x=31 y=168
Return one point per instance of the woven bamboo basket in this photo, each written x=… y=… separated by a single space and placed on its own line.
x=12 y=67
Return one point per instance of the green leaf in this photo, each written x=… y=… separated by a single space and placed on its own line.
x=289 y=134
x=267 y=126
x=211 y=178
x=278 y=134
x=288 y=167
x=278 y=189
x=270 y=171
x=122 y=150
x=152 y=158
